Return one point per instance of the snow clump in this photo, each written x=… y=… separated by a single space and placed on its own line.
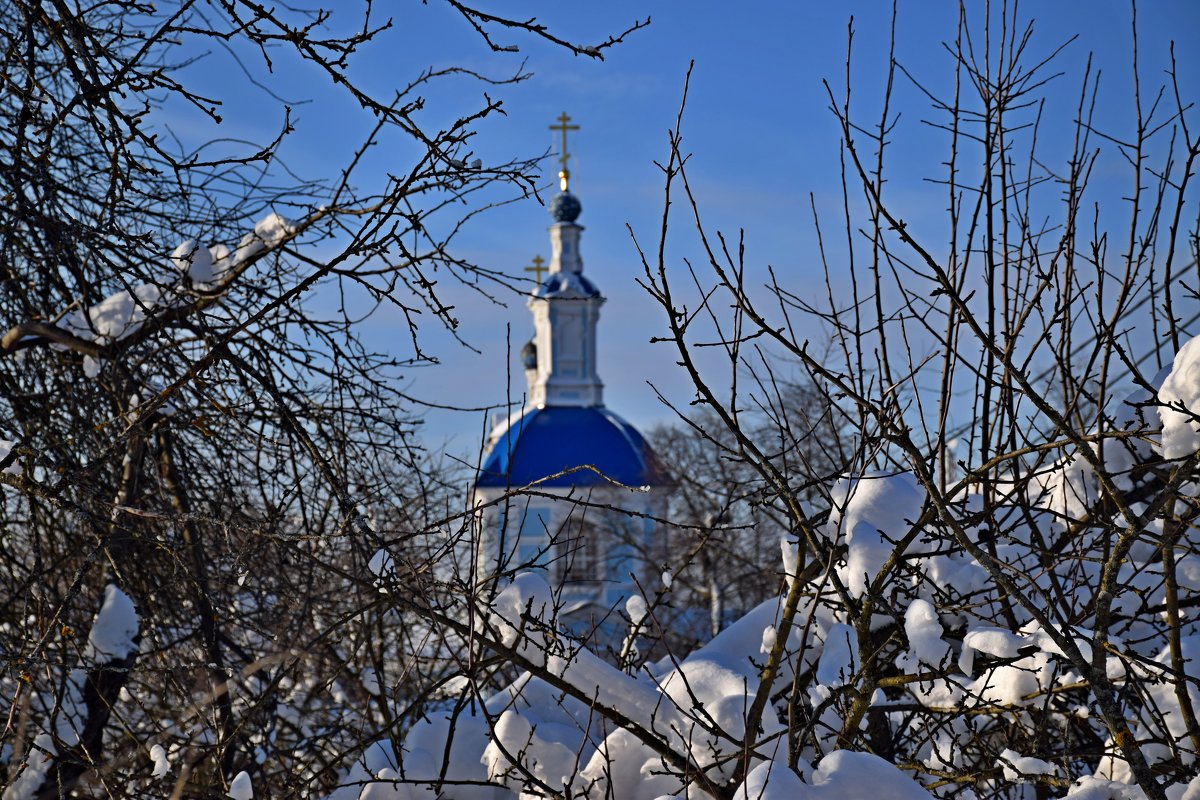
x=195 y=261
x=1180 y=399
x=636 y=608
x=162 y=765
x=841 y=775
x=870 y=514
x=115 y=629
x=240 y=787
x=37 y=767
x=1019 y=768
x=116 y=316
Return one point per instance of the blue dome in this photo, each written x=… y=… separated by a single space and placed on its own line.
x=547 y=441
x=561 y=282
x=565 y=207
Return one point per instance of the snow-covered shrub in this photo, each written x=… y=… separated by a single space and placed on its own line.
x=916 y=667
x=991 y=553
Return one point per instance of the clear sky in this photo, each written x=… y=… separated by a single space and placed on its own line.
x=757 y=122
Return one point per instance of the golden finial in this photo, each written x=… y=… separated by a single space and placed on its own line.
x=564 y=175
x=537 y=269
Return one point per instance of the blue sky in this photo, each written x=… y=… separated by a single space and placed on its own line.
x=757 y=122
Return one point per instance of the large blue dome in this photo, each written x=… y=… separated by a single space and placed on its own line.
x=546 y=441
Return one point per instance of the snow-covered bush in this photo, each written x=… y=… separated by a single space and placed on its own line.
x=990 y=591
x=916 y=667
x=230 y=573
x=199 y=450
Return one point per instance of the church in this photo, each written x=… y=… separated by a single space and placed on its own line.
x=592 y=486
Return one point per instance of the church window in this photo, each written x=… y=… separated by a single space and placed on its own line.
x=581 y=557
x=533 y=545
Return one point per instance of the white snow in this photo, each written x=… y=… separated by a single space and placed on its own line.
x=942 y=693
x=269 y=232
x=791 y=558
x=1188 y=791
x=768 y=639
x=1093 y=788
x=1010 y=685
x=843 y=775
x=1067 y=488
x=697 y=708
x=549 y=761
x=839 y=661
x=116 y=316
x=998 y=642
x=162 y=765
x=772 y=780
x=123 y=313
x=1163 y=720
x=222 y=260
x=636 y=608
x=923 y=628
x=37 y=765
x=869 y=514
x=423 y=757
x=1016 y=767
x=389 y=785
x=114 y=629
x=1180 y=398
x=453 y=686
x=273 y=229
x=240 y=787
x=112 y=637
x=194 y=260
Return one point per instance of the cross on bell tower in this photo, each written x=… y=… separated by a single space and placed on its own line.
x=564 y=174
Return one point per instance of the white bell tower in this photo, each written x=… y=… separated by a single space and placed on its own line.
x=566 y=308
x=567 y=447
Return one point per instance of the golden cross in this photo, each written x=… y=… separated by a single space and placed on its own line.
x=564 y=175
x=537 y=268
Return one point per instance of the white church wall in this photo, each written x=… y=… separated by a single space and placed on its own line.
x=588 y=543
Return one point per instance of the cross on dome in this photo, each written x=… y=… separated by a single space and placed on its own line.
x=564 y=174
x=537 y=268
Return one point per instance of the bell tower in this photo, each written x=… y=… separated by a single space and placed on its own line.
x=565 y=307
x=567 y=488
